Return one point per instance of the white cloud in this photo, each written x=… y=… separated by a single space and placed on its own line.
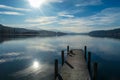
x=102 y=20
x=88 y=2
x=13 y=8
x=43 y=20
x=65 y=14
x=60 y=24
x=75 y=22
x=10 y=13
x=106 y=16
x=58 y=1
x=105 y=19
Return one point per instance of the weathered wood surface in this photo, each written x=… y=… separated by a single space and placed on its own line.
x=75 y=67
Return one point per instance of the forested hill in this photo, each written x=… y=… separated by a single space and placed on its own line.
x=106 y=33
x=5 y=30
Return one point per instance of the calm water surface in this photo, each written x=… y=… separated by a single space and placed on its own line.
x=33 y=58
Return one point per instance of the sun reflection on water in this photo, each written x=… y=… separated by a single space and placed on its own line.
x=35 y=68
x=36 y=64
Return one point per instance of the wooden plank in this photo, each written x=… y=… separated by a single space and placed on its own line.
x=75 y=67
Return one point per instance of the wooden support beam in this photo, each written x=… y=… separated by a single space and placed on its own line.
x=68 y=49
x=56 y=68
x=95 y=67
x=85 y=51
x=62 y=56
x=89 y=61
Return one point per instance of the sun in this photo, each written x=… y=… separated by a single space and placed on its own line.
x=36 y=3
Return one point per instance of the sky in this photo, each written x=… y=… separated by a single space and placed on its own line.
x=61 y=15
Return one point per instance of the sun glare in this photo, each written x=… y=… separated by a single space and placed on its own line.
x=36 y=3
x=35 y=64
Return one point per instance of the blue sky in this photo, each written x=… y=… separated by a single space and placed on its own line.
x=61 y=15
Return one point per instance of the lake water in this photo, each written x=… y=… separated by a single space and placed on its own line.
x=33 y=58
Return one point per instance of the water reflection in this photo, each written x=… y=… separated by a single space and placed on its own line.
x=36 y=65
x=41 y=47
x=9 y=57
x=35 y=71
x=35 y=56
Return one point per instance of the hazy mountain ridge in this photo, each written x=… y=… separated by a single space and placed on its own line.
x=106 y=33
x=5 y=30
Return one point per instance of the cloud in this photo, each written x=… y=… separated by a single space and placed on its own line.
x=45 y=20
x=65 y=14
x=75 y=22
x=60 y=24
x=15 y=12
x=57 y=1
x=107 y=16
x=13 y=8
x=88 y=3
x=105 y=19
x=11 y=13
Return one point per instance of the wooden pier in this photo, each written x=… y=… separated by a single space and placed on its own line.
x=75 y=66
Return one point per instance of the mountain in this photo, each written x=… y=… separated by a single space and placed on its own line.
x=9 y=31
x=115 y=33
x=77 y=33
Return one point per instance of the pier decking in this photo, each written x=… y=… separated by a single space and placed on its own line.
x=75 y=66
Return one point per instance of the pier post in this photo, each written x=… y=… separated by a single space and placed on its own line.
x=62 y=56
x=95 y=66
x=85 y=51
x=67 y=50
x=56 y=68
x=89 y=60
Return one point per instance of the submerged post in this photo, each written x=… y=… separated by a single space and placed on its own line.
x=56 y=68
x=89 y=60
x=95 y=66
x=62 y=56
x=85 y=51
x=67 y=50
